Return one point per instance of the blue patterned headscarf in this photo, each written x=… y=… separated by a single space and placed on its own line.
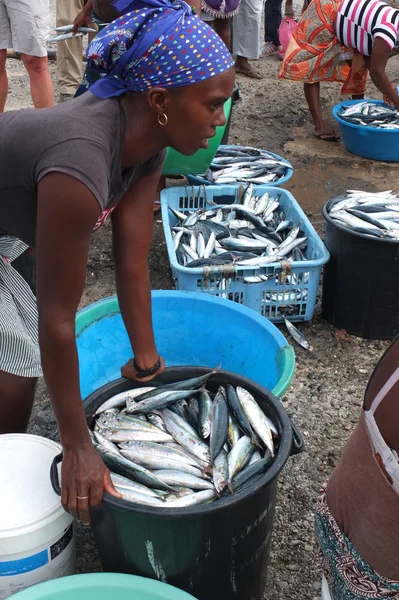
x=159 y=43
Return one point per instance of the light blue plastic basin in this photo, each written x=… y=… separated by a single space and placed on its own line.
x=191 y=329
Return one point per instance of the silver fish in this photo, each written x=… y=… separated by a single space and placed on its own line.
x=189 y=442
x=65 y=36
x=239 y=456
x=120 y=399
x=297 y=335
x=124 y=483
x=136 y=497
x=233 y=432
x=130 y=435
x=106 y=443
x=220 y=472
x=256 y=417
x=178 y=478
x=205 y=409
x=193 y=499
x=219 y=424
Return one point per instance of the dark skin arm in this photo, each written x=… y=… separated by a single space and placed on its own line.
x=83 y=18
x=132 y=224
x=376 y=64
x=62 y=240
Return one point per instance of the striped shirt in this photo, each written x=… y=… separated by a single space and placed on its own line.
x=359 y=22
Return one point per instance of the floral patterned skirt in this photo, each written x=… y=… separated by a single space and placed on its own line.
x=348 y=575
x=315 y=54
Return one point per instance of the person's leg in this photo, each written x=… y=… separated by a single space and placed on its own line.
x=273 y=17
x=3 y=80
x=246 y=32
x=16 y=401
x=222 y=28
x=41 y=85
x=69 y=52
x=5 y=42
x=321 y=129
x=30 y=27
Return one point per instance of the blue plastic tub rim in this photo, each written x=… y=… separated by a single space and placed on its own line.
x=195 y=296
x=338 y=107
x=287 y=177
x=232 y=190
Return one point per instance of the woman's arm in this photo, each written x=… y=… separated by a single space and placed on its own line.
x=132 y=224
x=83 y=19
x=377 y=65
x=67 y=212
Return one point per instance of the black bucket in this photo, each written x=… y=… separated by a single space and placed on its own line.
x=360 y=282
x=216 y=551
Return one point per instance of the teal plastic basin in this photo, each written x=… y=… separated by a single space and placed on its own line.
x=191 y=329
x=103 y=586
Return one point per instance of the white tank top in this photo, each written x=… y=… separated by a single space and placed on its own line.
x=389 y=457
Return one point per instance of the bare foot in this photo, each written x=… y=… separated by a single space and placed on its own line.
x=243 y=67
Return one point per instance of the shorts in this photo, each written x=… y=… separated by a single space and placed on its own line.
x=25 y=26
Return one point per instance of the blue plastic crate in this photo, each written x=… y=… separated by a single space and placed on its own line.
x=269 y=298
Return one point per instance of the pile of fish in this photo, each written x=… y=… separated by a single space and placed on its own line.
x=370 y=114
x=234 y=164
x=180 y=445
x=65 y=33
x=371 y=214
x=251 y=233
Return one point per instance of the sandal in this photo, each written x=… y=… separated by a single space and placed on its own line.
x=327 y=137
x=250 y=73
x=269 y=49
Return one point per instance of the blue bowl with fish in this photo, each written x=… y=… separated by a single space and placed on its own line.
x=366 y=141
x=282 y=170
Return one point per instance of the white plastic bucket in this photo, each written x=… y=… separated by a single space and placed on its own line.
x=325 y=590
x=37 y=540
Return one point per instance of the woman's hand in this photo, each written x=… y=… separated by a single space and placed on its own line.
x=83 y=18
x=129 y=370
x=388 y=101
x=84 y=478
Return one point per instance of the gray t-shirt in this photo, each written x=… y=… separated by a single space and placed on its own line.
x=82 y=138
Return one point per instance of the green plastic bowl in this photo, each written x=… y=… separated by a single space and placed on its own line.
x=178 y=164
x=102 y=586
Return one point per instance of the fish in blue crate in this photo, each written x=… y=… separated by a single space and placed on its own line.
x=254 y=233
x=234 y=163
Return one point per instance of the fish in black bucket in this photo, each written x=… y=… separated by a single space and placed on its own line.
x=179 y=445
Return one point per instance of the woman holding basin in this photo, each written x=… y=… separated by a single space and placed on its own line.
x=357 y=514
x=341 y=40
x=165 y=76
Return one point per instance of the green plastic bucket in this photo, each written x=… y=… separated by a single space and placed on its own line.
x=103 y=586
x=178 y=164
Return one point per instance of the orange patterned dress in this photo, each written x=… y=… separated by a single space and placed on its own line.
x=315 y=54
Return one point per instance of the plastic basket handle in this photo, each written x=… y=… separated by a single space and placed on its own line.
x=298 y=445
x=55 y=482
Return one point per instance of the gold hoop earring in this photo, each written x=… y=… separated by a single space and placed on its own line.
x=163 y=119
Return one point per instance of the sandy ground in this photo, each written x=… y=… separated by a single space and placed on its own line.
x=326 y=394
